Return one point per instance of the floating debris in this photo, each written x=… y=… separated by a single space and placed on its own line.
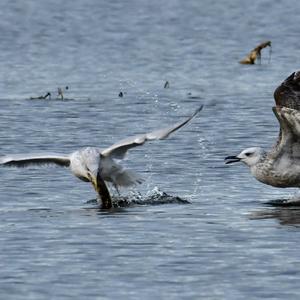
x=256 y=54
x=284 y=202
x=48 y=95
x=191 y=96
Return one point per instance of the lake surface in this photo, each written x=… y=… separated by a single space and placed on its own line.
x=227 y=243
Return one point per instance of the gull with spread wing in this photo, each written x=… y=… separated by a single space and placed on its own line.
x=94 y=165
x=280 y=167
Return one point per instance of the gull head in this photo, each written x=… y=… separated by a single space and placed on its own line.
x=250 y=156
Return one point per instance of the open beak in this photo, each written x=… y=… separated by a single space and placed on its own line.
x=231 y=159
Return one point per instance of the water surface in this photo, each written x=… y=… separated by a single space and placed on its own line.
x=226 y=244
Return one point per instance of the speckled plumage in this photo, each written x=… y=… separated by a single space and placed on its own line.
x=280 y=167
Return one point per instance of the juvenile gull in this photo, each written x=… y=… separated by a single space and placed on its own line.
x=280 y=167
x=94 y=165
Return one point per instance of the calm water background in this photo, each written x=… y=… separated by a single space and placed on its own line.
x=227 y=244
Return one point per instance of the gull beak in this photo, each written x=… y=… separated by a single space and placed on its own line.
x=93 y=179
x=231 y=159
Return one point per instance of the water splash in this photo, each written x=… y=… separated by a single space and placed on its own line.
x=153 y=197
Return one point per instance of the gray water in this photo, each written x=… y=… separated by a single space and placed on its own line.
x=227 y=243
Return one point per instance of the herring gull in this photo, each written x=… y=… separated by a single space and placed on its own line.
x=94 y=165
x=280 y=167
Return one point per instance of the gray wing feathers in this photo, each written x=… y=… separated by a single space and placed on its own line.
x=287 y=111
x=127 y=178
x=119 y=149
x=27 y=160
x=165 y=132
x=289 y=135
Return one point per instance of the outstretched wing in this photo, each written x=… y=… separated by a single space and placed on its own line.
x=287 y=111
x=39 y=159
x=119 y=149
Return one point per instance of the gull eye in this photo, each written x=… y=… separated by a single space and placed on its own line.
x=248 y=154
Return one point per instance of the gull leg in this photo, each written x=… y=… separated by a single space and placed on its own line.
x=117 y=189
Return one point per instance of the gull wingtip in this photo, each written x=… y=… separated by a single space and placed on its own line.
x=198 y=110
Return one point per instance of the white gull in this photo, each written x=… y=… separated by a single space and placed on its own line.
x=91 y=164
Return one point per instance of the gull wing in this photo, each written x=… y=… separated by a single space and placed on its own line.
x=31 y=159
x=288 y=93
x=287 y=111
x=288 y=143
x=119 y=149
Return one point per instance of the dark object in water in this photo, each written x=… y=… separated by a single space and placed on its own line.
x=284 y=202
x=48 y=95
x=167 y=85
x=101 y=189
x=255 y=54
x=103 y=192
x=190 y=96
x=121 y=94
x=155 y=199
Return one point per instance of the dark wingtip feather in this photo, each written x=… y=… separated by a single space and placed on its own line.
x=288 y=93
x=198 y=110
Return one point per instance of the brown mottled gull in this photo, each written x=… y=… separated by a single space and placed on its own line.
x=281 y=166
